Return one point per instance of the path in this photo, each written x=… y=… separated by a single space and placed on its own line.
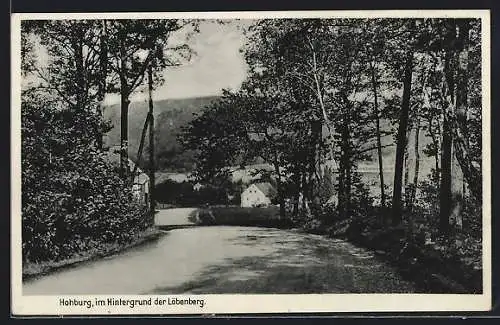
x=175 y=217
x=222 y=259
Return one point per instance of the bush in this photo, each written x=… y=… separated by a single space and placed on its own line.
x=72 y=198
x=184 y=194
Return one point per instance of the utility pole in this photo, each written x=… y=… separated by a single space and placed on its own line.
x=151 y=144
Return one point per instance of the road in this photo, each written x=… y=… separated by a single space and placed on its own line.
x=175 y=217
x=220 y=259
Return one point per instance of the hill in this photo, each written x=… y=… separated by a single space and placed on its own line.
x=170 y=116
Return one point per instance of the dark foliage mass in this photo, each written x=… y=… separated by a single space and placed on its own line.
x=72 y=197
x=238 y=216
x=187 y=194
x=74 y=200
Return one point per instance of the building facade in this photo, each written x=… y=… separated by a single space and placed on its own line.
x=258 y=195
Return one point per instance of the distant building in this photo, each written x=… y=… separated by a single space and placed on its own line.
x=257 y=195
x=140 y=185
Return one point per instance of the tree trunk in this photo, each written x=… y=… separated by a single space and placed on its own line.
x=316 y=128
x=296 y=181
x=124 y=137
x=379 y=141
x=457 y=193
x=124 y=101
x=460 y=127
x=401 y=141
x=345 y=171
x=406 y=171
x=445 y=195
x=435 y=142
x=103 y=55
x=348 y=172
x=152 y=166
x=459 y=164
x=281 y=196
x=445 y=184
x=141 y=146
x=79 y=71
x=303 y=193
x=319 y=94
x=417 y=163
x=461 y=146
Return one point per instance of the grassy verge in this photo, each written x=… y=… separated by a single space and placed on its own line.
x=435 y=267
x=33 y=269
x=238 y=216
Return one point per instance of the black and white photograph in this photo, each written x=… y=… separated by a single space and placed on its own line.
x=167 y=160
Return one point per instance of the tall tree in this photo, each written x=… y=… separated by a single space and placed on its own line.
x=401 y=139
x=457 y=160
x=72 y=73
x=376 y=113
x=72 y=70
x=152 y=168
x=133 y=46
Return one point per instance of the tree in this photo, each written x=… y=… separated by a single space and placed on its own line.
x=73 y=197
x=378 y=132
x=401 y=139
x=133 y=46
x=454 y=145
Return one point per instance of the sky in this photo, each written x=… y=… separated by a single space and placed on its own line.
x=217 y=64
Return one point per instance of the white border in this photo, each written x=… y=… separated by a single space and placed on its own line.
x=49 y=305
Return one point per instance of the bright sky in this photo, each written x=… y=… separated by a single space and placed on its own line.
x=217 y=64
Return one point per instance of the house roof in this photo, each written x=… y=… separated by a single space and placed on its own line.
x=249 y=173
x=114 y=159
x=142 y=178
x=267 y=189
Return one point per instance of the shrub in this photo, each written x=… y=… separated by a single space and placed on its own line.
x=238 y=216
x=72 y=198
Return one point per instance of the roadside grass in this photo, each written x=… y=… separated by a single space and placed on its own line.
x=239 y=216
x=36 y=269
x=434 y=267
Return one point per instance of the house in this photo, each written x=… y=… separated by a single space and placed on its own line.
x=140 y=185
x=257 y=195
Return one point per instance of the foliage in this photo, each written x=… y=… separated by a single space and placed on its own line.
x=72 y=197
x=238 y=216
x=308 y=105
x=184 y=194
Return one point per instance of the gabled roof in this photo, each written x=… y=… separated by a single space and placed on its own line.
x=114 y=159
x=142 y=178
x=267 y=189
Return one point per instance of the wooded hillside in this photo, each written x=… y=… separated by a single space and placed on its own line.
x=170 y=116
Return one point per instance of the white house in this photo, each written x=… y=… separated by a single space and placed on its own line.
x=140 y=185
x=257 y=195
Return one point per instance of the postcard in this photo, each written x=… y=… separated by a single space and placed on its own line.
x=250 y=162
